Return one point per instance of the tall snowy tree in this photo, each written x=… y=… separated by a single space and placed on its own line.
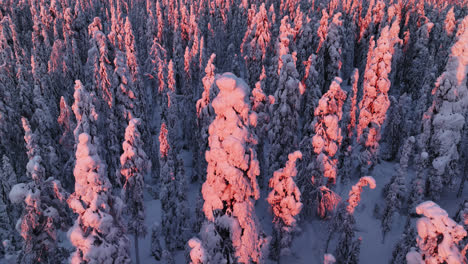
x=98 y=234
x=447 y=115
x=343 y=223
x=321 y=172
x=256 y=43
x=85 y=113
x=231 y=188
x=285 y=201
x=7 y=211
x=173 y=191
x=327 y=138
x=134 y=164
x=284 y=114
x=205 y=112
x=374 y=103
x=44 y=209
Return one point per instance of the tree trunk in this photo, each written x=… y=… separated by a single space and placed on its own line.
x=137 y=252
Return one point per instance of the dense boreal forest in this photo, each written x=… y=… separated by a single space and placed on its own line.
x=233 y=131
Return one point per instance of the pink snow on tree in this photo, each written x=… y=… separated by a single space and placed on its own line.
x=323 y=29
x=285 y=197
x=327 y=136
x=448 y=112
x=97 y=233
x=231 y=188
x=375 y=102
x=163 y=144
x=438 y=235
x=356 y=191
x=84 y=110
x=197 y=252
x=134 y=164
x=207 y=81
x=450 y=22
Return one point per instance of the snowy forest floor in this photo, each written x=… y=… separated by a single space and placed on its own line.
x=309 y=245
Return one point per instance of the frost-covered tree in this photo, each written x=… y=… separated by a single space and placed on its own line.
x=85 y=113
x=395 y=196
x=97 y=234
x=374 y=103
x=205 y=112
x=327 y=138
x=173 y=191
x=67 y=124
x=285 y=202
x=348 y=127
x=418 y=184
x=231 y=188
x=156 y=249
x=260 y=105
x=284 y=114
x=7 y=213
x=256 y=43
x=448 y=115
x=404 y=244
x=355 y=194
x=98 y=66
x=44 y=210
x=343 y=223
x=312 y=82
x=134 y=164
x=333 y=46
x=438 y=235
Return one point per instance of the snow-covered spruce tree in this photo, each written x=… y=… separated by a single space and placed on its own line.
x=155 y=67
x=374 y=103
x=419 y=63
x=285 y=202
x=231 y=188
x=355 y=194
x=395 y=191
x=333 y=46
x=395 y=196
x=327 y=138
x=156 y=235
x=284 y=114
x=348 y=248
x=448 y=115
x=97 y=234
x=260 y=105
x=404 y=244
x=44 y=208
x=85 y=113
x=67 y=124
x=134 y=164
x=348 y=127
x=256 y=44
x=438 y=235
x=418 y=184
x=205 y=114
x=321 y=149
x=311 y=82
x=173 y=191
x=98 y=66
x=7 y=212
